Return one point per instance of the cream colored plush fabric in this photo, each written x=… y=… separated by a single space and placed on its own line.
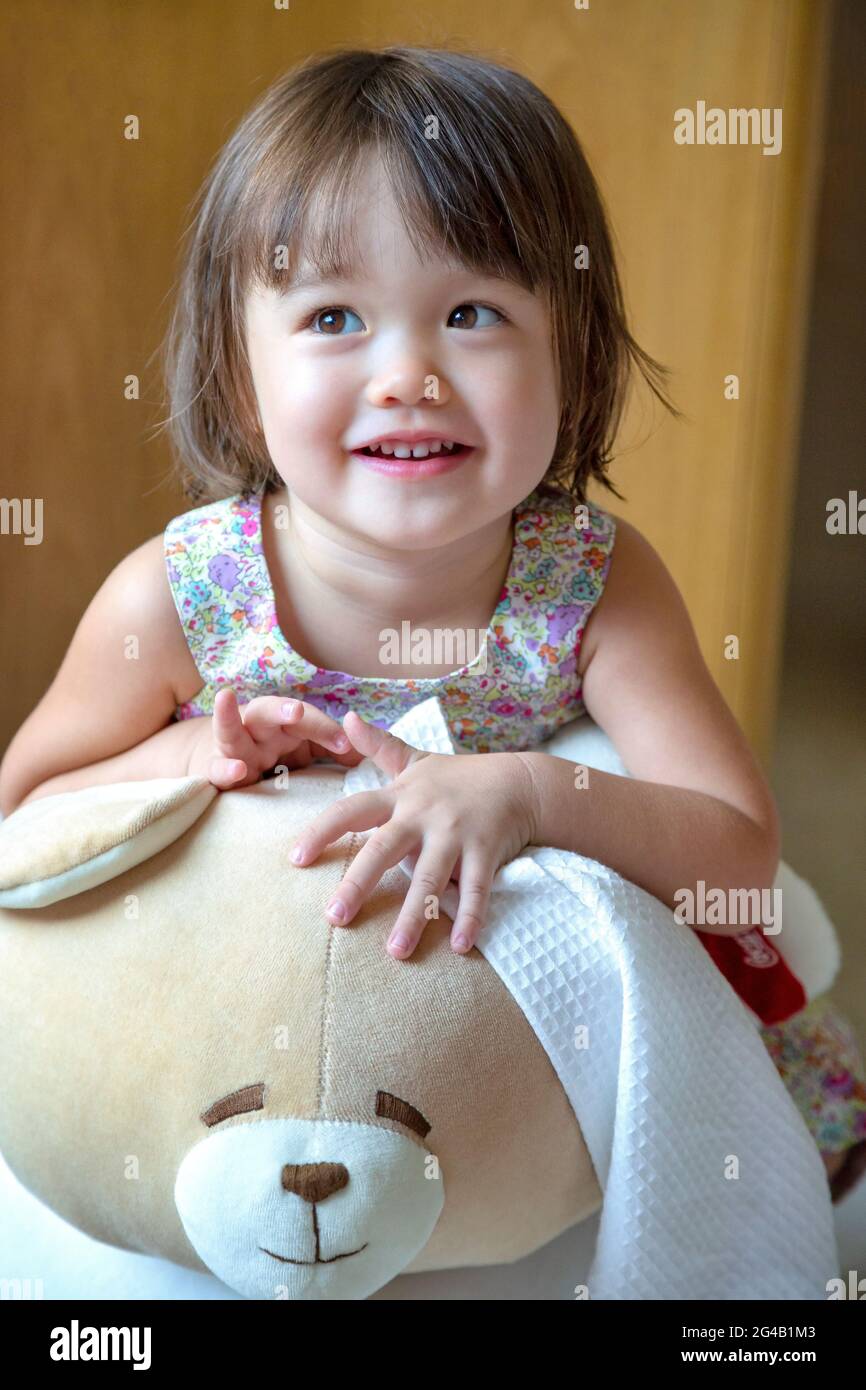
x=59 y=845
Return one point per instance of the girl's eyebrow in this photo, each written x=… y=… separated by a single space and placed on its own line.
x=312 y=279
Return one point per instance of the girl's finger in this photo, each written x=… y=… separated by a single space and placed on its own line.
x=226 y=772
x=225 y=707
x=315 y=724
x=387 y=751
x=267 y=713
x=228 y=725
x=430 y=878
x=361 y=811
x=382 y=851
x=477 y=872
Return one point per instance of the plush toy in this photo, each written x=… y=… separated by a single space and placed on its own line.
x=197 y=1065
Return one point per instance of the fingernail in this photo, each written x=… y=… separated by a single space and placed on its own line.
x=336 y=910
x=398 y=943
x=460 y=943
x=297 y=854
x=289 y=707
x=341 y=743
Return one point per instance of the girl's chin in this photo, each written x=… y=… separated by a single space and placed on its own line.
x=396 y=524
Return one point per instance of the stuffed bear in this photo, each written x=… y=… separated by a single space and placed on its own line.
x=198 y=1065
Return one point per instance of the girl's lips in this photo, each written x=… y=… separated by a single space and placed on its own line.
x=414 y=468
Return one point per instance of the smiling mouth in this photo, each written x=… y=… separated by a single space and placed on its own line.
x=418 y=452
x=286 y=1260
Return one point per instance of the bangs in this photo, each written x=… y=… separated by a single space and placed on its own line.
x=476 y=212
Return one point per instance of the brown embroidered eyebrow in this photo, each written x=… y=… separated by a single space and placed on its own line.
x=393 y=1108
x=236 y=1103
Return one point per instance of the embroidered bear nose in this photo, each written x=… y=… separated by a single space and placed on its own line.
x=314 y=1181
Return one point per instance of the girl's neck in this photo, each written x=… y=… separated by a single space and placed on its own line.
x=453 y=583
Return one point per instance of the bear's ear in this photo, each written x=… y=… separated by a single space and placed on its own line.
x=57 y=846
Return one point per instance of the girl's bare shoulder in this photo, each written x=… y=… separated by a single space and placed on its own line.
x=183 y=675
x=637 y=578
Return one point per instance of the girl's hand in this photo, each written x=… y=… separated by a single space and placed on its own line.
x=467 y=815
x=237 y=745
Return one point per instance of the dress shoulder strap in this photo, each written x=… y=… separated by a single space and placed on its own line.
x=577 y=540
x=596 y=534
x=211 y=553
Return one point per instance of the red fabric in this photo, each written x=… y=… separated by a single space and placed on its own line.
x=755 y=969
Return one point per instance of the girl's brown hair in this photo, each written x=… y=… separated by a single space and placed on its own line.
x=485 y=170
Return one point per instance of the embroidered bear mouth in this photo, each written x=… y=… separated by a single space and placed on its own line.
x=287 y=1259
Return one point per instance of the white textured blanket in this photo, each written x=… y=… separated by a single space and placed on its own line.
x=713 y=1186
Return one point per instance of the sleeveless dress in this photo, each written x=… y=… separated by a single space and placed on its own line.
x=522 y=685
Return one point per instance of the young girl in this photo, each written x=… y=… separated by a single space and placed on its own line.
x=398 y=358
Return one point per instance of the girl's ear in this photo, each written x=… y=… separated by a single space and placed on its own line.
x=57 y=846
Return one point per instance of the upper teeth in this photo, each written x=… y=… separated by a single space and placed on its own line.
x=415 y=451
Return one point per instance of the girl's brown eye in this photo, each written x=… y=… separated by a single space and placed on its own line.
x=472 y=316
x=334 y=321
x=467 y=312
x=336 y=316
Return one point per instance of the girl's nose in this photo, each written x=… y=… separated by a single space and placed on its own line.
x=407 y=384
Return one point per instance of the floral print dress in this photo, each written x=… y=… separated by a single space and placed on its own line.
x=519 y=687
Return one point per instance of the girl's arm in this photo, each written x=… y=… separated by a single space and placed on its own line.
x=699 y=807
x=165 y=754
x=106 y=716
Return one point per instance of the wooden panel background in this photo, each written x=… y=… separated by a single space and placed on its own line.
x=715 y=246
